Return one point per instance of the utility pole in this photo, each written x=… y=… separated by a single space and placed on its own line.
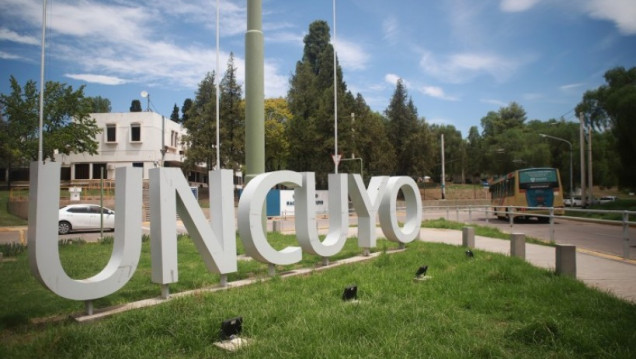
x=443 y=181
x=589 y=163
x=335 y=94
x=254 y=91
x=582 y=151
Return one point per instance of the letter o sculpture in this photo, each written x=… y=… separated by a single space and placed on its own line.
x=388 y=210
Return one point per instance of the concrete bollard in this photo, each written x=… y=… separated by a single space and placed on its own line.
x=468 y=237
x=518 y=245
x=276 y=226
x=566 y=260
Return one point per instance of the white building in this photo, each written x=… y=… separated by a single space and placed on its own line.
x=135 y=139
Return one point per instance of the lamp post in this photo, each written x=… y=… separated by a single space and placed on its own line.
x=569 y=144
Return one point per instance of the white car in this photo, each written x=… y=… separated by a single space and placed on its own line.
x=79 y=217
x=607 y=199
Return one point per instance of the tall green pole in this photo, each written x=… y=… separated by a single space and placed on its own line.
x=254 y=92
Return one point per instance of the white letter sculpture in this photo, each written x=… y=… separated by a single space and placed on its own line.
x=170 y=194
x=366 y=203
x=305 y=203
x=388 y=210
x=250 y=218
x=44 y=256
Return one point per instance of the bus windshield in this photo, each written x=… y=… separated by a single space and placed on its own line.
x=538 y=178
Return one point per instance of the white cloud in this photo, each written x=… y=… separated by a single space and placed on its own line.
x=393 y=79
x=390 y=28
x=570 y=87
x=493 y=102
x=9 y=35
x=276 y=85
x=284 y=37
x=463 y=67
x=8 y=56
x=436 y=92
x=351 y=55
x=98 y=79
x=517 y=5
x=621 y=12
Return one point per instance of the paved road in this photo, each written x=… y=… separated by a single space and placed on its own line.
x=602 y=238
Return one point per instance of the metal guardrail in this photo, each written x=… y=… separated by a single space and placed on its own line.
x=519 y=211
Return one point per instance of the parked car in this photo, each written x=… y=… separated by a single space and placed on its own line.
x=607 y=199
x=573 y=202
x=79 y=217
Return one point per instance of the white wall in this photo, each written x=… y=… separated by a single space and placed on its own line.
x=123 y=151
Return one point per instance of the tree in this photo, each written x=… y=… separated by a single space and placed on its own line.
x=613 y=106
x=99 y=104
x=403 y=132
x=504 y=140
x=135 y=106
x=174 y=116
x=201 y=126
x=187 y=104
x=232 y=124
x=67 y=126
x=454 y=152
x=311 y=102
x=475 y=154
x=277 y=119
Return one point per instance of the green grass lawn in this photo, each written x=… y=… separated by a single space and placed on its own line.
x=485 y=231
x=489 y=306
x=6 y=218
x=618 y=205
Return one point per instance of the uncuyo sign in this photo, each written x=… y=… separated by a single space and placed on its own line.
x=215 y=239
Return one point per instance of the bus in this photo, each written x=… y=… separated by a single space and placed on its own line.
x=529 y=187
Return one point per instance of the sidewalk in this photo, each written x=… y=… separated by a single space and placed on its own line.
x=610 y=274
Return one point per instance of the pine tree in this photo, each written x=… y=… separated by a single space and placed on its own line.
x=201 y=126
x=174 y=116
x=403 y=132
x=310 y=98
x=135 y=106
x=187 y=104
x=232 y=124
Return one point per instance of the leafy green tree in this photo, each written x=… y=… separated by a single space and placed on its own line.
x=201 y=125
x=474 y=146
x=454 y=152
x=503 y=139
x=187 y=104
x=67 y=126
x=135 y=106
x=232 y=115
x=405 y=135
x=370 y=142
x=277 y=119
x=174 y=116
x=613 y=106
x=311 y=102
x=99 y=104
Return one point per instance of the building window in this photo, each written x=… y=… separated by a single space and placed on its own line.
x=82 y=171
x=174 y=139
x=111 y=133
x=97 y=170
x=138 y=164
x=135 y=132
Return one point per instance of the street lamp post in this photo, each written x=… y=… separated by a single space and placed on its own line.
x=569 y=144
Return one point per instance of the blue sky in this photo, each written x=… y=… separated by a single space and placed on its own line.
x=458 y=58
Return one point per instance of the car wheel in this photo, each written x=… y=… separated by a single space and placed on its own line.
x=63 y=227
